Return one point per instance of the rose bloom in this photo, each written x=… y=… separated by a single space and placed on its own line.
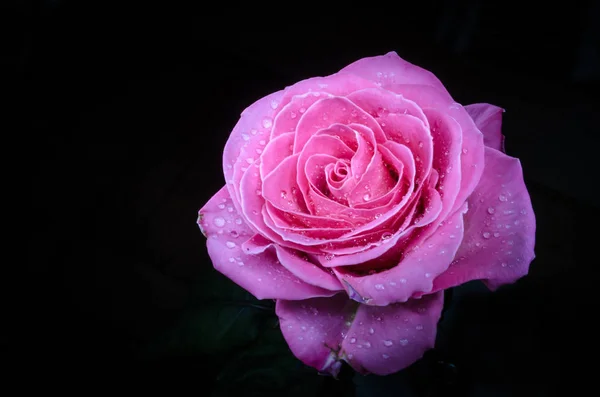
x=355 y=199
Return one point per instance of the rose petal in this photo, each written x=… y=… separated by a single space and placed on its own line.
x=415 y=272
x=261 y=274
x=287 y=119
x=378 y=340
x=471 y=160
x=277 y=150
x=300 y=265
x=499 y=228
x=328 y=111
x=390 y=69
x=252 y=128
x=281 y=189
x=488 y=119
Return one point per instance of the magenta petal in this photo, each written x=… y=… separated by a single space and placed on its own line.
x=488 y=118
x=261 y=274
x=378 y=340
x=390 y=69
x=499 y=228
x=300 y=265
x=281 y=189
x=416 y=271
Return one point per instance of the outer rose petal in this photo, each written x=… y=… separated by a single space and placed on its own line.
x=415 y=272
x=379 y=340
x=390 y=69
x=488 y=119
x=499 y=228
x=252 y=128
x=260 y=274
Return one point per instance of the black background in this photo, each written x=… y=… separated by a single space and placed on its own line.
x=122 y=114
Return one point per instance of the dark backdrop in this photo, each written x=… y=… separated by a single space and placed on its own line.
x=125 y=110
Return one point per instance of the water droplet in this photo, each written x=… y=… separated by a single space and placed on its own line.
x=386 y=236
x=367 y=197
x=267 y=123
x=257 y=192
x=230 y=209
x=371 y=331
x=496 y=234
x=234 y=234
x=302 y=110
x=403 y=280
x=219 y=222
x=419 y=327
x=491 y=210
x=283 y=194
x=232 y=259
x=503 y=264
x=502 y=198
x=259 y=151
x=385 y=356
x=523 y=212
x=427 y=275
x=393 y=283
x=245 y=137
x=353 y=340
x=367 y=345
x=403 y=342
x=465 y=151
x=240 y=263
x=230 y=244
x=350 y=356
x=274 y=104
x=388 y=343
x=303 y=328
x=379 y=287
x=377 y=216
x=420 y=144
x=486 y=235
x=221 y=206
x=293 y=115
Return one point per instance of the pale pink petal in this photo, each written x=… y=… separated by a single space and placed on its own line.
x=390 y=69
x=253 y=127
x=488 y=119
x=380 y=340
x=415 y=272
x=365 y=147
x=499 y=228
x=261 y=275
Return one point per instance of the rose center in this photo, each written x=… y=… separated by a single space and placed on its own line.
x=340 y=171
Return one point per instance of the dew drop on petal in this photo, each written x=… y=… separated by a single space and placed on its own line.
x=371 y=331
x=230 y=244
x=219 y=222
x=502 y=198
x=491 y=210
x=353 y=340
x=388 y=343
x=486 y=235
x=403 y=342
x=379 y=287
x=267 y=123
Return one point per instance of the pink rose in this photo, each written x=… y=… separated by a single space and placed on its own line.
x=355 y=199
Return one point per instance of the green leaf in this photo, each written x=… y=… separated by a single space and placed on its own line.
x=220 y=317
x=267 y=368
